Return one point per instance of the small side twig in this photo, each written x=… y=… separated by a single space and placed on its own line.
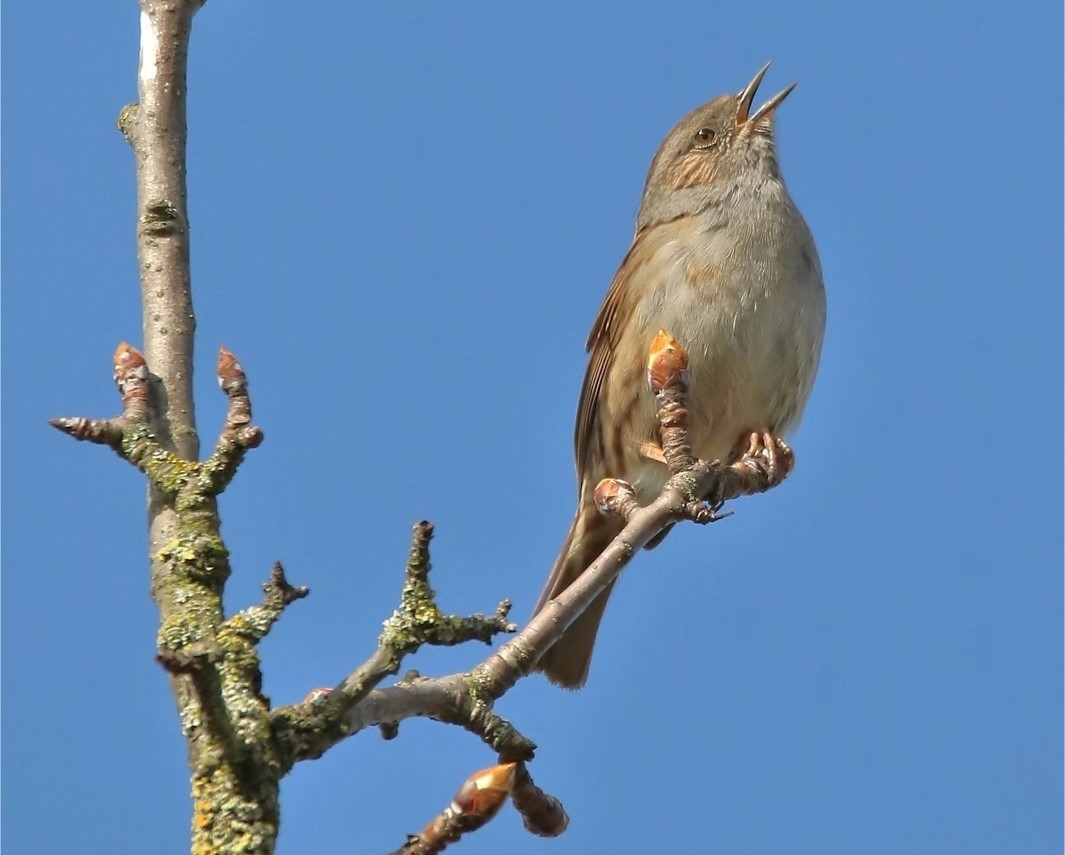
x=256 y=621
x=238 y=434
x=479 y=800
x=131 y=377
x=542 y=814
x=667 y=373
x=418 y=620
x=306 y=730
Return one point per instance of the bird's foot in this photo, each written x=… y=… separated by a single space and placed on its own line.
x=768 y=460
x=708 y=510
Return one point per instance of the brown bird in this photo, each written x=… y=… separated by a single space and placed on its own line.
x=724 y=262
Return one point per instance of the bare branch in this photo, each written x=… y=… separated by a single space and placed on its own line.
x=97 y=431
x=156 y=129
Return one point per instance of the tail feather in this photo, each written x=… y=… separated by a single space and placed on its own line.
x=566 y=662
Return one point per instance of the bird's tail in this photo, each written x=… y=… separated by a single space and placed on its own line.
x=566 y=662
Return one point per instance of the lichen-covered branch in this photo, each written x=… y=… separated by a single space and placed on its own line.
x=212 y=662
x=189 y=562
x=256 y=621
x=308 y=729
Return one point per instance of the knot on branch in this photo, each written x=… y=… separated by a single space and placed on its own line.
x=161 y=218
x=191 y=659
x=127 y=122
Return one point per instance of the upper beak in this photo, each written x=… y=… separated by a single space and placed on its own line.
x=746 y=97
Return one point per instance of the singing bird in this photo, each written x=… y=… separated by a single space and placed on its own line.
x=724 y=262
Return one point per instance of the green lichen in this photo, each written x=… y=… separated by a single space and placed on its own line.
x=178 y=630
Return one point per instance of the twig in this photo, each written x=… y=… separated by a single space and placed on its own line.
x=238 y=434
x=131 y=378
x=308 y=729
x=256 y=621
x=477 y=801
x=542 y=814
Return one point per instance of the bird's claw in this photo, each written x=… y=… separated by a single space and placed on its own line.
x=769 y=458
x=706 y=511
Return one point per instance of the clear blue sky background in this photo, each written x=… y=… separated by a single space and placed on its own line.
x=866 y=660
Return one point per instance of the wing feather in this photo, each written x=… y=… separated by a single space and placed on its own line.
x=614 y=315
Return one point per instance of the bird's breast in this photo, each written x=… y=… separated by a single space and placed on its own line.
x=748 y=305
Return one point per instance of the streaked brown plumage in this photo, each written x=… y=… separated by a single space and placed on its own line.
x=724 y=262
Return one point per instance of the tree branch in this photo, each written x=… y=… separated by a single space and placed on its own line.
x=255 y=622
x=131 y=378
x=238 y=434
x=501 y=670
x=308 y=729
x=696 y=491
x=479 y=800
x=156 y=129
x=213 y=665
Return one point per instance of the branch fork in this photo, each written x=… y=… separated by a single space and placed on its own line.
x=132 y=438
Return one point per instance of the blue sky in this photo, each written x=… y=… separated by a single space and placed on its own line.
x=866 y=660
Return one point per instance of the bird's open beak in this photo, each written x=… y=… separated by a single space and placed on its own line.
x=746 y=98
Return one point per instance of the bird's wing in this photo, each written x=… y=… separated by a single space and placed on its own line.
x=615 y=313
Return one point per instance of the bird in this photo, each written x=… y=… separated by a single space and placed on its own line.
x=724 y=262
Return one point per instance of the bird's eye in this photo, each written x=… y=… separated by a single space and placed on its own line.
x=705 y=137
